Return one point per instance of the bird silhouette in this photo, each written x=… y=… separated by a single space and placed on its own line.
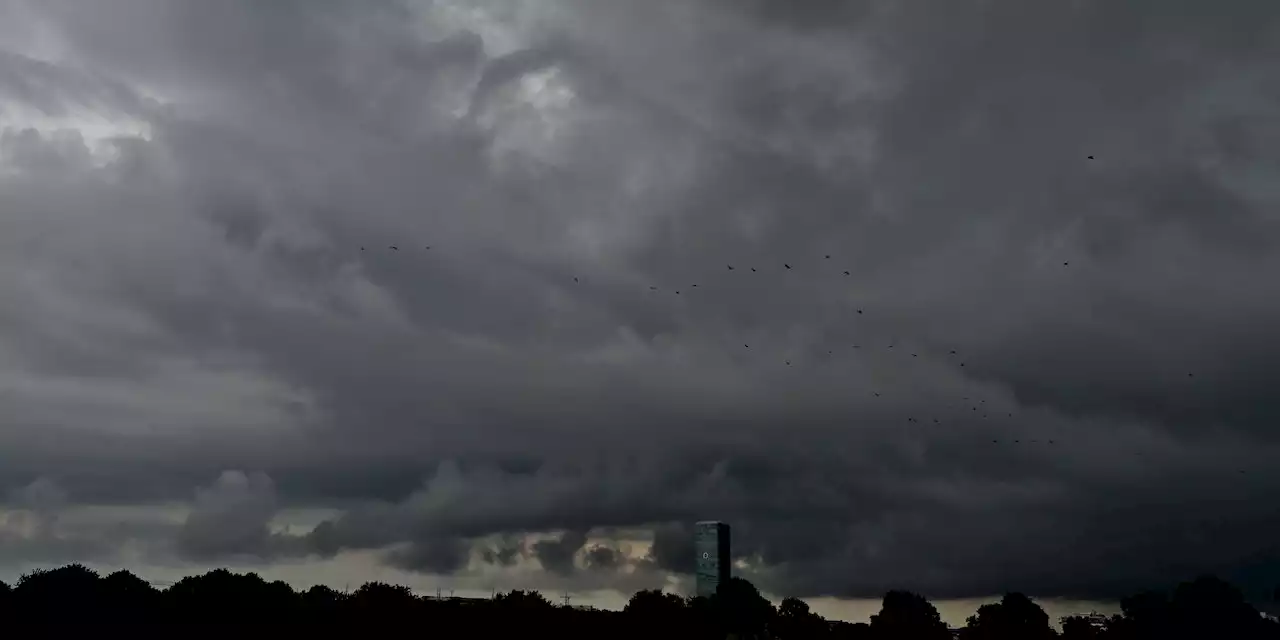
x=394 y=248
x=953 y=352
x=747 y=346
x=653 y=288
x=1090 y=157
x=859 y=311
x=428 y=247
x=730 y=267
x=856 y=347
x=693 y=285
x=787 y=266
x=677 y=293
x=877 y=394
x=846 y=273
x=828 y=257
x=788 y=363
x=1065 y=263
x=575 y=279
x=914 y=356
x=753 y=269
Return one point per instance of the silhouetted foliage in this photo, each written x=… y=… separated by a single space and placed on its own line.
x=77 y=597
x=1015 y=617
x=908 y=615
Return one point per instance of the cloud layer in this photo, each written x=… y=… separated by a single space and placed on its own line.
x=958 y=299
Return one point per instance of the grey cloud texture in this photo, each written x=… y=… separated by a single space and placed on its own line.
x=195 y=276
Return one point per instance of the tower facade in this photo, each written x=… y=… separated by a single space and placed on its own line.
x=713 y=562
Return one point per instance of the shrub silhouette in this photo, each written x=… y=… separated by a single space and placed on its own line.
x=76 y=599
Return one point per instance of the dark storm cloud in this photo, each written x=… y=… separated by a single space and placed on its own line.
x=433 y=555
x=557 y=556
x=231 y=519
x=504 y=554
x=222 y=295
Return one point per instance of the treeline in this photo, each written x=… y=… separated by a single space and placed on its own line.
x=74 y=597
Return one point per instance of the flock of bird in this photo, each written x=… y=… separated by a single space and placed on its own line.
x=786 y=266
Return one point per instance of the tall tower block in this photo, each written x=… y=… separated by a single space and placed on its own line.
x=711 y=542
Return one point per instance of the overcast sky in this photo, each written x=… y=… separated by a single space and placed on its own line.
x=958 y=297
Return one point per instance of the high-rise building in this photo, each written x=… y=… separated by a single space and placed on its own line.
x=711 y=542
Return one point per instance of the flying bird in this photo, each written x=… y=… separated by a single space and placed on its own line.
x=877 y=394
x=953 y=352
x=859 y=311
x=393 y=248
x=753 y=269
x=846 y=273
x=575 y=279
x=730 y=267
x=653 y=288
x=1090 y=157
x=828 y=257
x=786 y=265
x=788 y=363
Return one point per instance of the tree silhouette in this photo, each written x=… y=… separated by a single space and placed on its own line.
x=1015 y=617
x=908 y=615
x=741 y=610
x=796 y=622
x=75 y=600
x=39 y=595
x=1208 y=606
